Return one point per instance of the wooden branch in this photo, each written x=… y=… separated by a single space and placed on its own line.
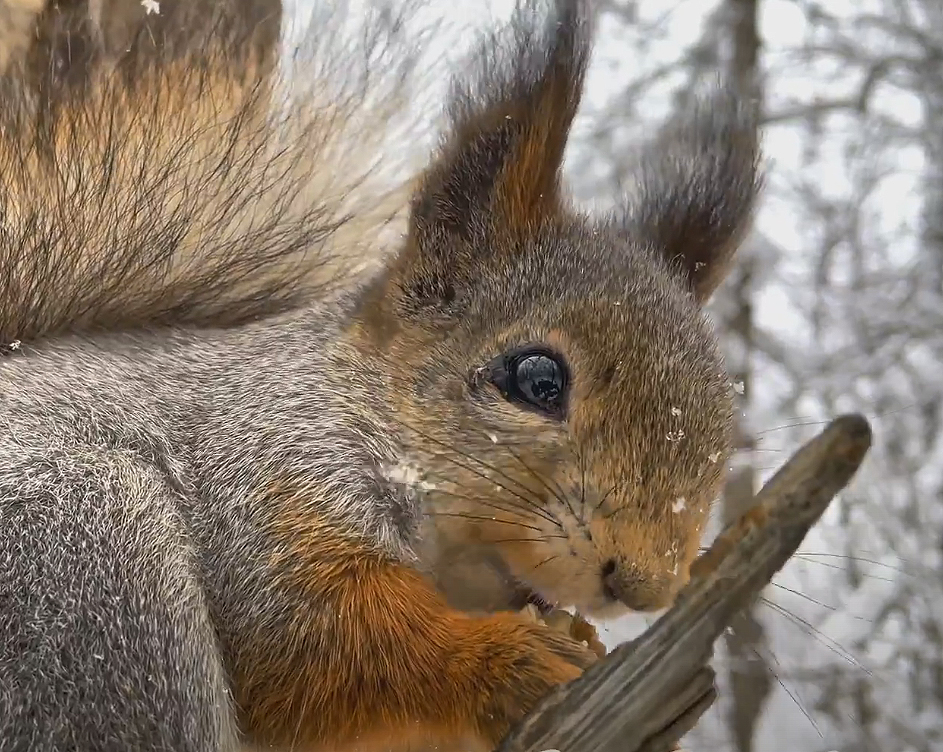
x=648 y=693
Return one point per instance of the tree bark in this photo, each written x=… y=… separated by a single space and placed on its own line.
x=749 y=673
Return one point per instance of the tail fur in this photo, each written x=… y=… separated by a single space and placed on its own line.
x=17 y=24
x=176 y=183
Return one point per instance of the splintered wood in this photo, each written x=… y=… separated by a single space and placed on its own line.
x=646 y=694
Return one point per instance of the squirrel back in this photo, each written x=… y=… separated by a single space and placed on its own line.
x=165 y=169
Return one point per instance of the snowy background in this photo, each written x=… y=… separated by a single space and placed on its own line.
x=836 y=304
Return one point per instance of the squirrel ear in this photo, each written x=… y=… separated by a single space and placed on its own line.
x=497 y=171
x=697 y=189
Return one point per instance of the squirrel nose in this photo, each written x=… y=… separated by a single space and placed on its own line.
x=639 y=590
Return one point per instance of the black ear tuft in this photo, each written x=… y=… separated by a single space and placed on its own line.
x=497 y=172
x=697 y=188
x=511 y=116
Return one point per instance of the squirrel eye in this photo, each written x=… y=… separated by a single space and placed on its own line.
x=533 y=376
x=539 y=379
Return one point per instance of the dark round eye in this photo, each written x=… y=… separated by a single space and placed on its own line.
x=532 y=376
x=539 y=379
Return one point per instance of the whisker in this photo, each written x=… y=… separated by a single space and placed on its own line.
x=840 y=569
x=558 y=494
x=810 y=599
x=808 y=422
x=605 y=497
x=799 y=593
x=545 y=561
x=464 y=454
x=529 y=502
x=794 y=696
x=613 y=513
x=794 y=424
x=515 y=506
x=772 y=656
x=806 y=558
x=542 y=539
x=862 y=559
x=500 y=473
x=824 y=639
x=517 y=523
x=582 y=464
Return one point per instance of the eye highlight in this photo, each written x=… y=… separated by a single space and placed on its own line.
x=533 y=376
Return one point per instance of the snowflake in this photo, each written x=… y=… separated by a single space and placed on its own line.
x=407 y=474
x=151 y=6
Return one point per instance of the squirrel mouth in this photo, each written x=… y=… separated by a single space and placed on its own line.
x=544 y=607
x=528 y=596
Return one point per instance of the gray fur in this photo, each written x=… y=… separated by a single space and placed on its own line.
x=123 y=498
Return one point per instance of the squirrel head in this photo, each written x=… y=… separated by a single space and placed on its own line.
x=554 y=380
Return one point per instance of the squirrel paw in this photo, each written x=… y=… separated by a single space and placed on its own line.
x=533 y=660
x=569 y=649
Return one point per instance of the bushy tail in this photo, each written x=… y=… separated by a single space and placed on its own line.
x=187 y=180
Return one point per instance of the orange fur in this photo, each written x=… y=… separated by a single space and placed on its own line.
x=372 y=655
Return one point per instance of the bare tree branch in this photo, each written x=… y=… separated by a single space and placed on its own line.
x=648 y=693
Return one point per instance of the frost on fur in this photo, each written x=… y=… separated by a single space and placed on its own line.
x=187 y=188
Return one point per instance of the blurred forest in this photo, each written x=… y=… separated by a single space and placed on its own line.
x=836 y=304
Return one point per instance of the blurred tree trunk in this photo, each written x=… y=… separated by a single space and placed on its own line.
x=749 y=675
x=927 y=671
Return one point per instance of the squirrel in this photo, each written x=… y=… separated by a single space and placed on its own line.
x=241 y=512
